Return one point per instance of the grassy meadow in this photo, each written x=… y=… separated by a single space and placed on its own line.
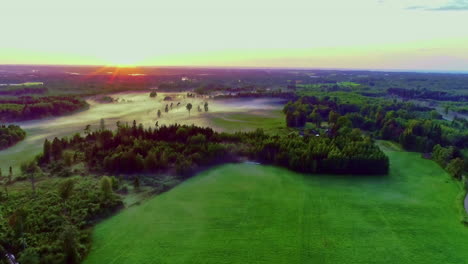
x=269 y=121
x=246 y=213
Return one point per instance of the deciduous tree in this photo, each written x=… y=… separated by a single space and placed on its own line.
x=106 y=186
x=189 y=107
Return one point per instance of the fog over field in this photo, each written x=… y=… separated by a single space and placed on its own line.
x=126 y=108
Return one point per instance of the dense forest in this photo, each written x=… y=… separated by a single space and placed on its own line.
x=10 y=135
x=416 y=128
x=28 y=108
x=183 y=149
x=427 y=94
x=51 y=224
x=22 y=90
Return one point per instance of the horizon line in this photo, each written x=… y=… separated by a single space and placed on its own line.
x=246 y=68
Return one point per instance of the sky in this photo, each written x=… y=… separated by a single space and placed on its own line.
x=351 y=34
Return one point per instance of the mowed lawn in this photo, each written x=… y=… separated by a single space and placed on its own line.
x=247 y=213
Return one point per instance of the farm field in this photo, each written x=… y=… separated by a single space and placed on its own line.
x=247 y=213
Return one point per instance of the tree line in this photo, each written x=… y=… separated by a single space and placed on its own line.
x=182 y=149
x=427 y=94
x=10 y=135
x=28 y=108
x=22 y=90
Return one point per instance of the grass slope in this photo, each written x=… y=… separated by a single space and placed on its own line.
x=258 y=214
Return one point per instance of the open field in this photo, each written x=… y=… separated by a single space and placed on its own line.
x=245 y=213
x=231 y=115
x=23 y=84
x=249 y=120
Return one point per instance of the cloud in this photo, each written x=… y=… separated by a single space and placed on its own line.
x=454 y=5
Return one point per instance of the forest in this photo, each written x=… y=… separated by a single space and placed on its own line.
x=22 y=90
x=183 y=149
x=51 y=224
x=426 y=94
x=10 y=135
x=27 y=107
x=416 y=128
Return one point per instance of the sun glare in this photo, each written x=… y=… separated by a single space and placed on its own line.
x=122 y=62
x=125 y=65
x=122 y=65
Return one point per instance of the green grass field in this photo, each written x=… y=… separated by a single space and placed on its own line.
x=244 y=213
x=268 y=120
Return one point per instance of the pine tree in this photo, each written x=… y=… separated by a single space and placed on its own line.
x=46 y=151
x=66 y=188
x=333 y=117
x=4 y=182
x=10 y=174
x=102 y=124
x=56 y=149
x=136 y=183
x=31 y=170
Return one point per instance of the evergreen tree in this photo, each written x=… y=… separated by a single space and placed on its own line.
x=10 y=174
x=70 y=245
x=4 y=181
x=333 y=117
x=31 y=170
x=87 y=129
x=136 y=183
x=66 y=188
x=56 y=149
x=46 y=153
x=102 y=124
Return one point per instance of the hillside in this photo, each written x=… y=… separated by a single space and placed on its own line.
x=247 y=213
